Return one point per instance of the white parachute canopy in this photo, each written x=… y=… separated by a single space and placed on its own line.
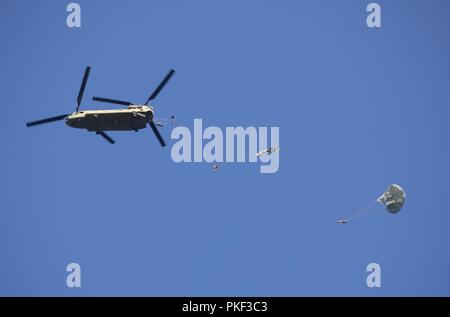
x=393 y=199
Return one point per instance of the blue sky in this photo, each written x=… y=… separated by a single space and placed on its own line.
x=358 y=109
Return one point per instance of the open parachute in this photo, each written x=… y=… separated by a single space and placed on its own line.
x=393 y=200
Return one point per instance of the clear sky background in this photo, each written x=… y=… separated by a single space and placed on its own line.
x=358 y=109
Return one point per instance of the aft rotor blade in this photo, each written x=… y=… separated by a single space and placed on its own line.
x=160 y=86
x=83 y=85
x=156 y=132
x=119 y=102
x=106 y=137
x=47 y=120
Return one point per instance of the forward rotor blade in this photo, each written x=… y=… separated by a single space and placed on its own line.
x=106 y=137
x=156 y=132
x=47 y=120
x=119 y=102
x=160 y=86
x=83 y=85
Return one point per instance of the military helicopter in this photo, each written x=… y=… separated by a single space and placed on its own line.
x=134 y=117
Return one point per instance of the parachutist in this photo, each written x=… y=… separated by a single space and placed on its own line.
x=393 y=199
x=163 y=122
x=269 y=150
x=215 y=167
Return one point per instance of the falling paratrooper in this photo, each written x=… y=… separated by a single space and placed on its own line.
x=269 y=150
x=393 y=200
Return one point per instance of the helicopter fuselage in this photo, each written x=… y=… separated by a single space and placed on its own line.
x=133 y=118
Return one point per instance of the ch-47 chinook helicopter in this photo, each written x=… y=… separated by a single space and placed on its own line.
x=134 y=117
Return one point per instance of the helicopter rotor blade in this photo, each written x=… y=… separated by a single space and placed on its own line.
x=46 y=120
x=106 y=137
x=156 y=132
x=160 y=86
x=83 y=85
x=119 y=102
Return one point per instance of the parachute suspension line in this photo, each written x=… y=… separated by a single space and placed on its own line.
x=362 y=210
